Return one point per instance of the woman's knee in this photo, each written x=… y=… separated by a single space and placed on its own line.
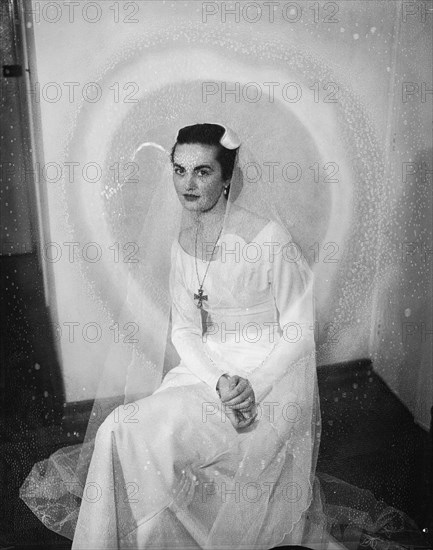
x=166 y=407
x=134 y=413
x=118 y=418
x=166 y=402
x=107 y=426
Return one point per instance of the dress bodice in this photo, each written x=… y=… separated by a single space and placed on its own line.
x=248 y=287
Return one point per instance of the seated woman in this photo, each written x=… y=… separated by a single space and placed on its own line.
x=223 y=453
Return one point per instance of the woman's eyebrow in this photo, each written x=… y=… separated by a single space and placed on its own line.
x=200 y=167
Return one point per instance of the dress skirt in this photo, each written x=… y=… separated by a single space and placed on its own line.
x=170 y=471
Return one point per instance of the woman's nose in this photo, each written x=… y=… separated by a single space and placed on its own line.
x=191 y=183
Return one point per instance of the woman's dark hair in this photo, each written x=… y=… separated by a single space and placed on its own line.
x=208 y=134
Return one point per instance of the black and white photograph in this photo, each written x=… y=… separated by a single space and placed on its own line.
x=216 y=274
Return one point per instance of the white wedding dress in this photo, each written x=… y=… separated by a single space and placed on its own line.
x=170 y=470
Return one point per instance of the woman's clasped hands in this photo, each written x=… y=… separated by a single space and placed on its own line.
x=238 y=399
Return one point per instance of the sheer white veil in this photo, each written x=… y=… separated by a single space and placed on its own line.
x=143 y=352
x=137 y=361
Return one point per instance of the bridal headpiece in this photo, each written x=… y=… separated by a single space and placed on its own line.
x=229 y=140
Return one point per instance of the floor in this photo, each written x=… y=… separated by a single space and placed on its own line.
x=369 y=438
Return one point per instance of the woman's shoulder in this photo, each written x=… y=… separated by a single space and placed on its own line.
x=253 y=227
x=246 y=224
x=279 y=233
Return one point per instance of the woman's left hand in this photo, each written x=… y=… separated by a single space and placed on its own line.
x=241 y=396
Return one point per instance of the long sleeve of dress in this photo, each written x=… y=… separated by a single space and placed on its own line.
x=186 y=332
x=291 y=281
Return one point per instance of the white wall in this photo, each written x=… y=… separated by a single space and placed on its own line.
x=366 y=49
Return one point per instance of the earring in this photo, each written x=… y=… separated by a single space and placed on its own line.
x=226 y=190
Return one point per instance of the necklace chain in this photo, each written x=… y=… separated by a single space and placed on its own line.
x=208 y=265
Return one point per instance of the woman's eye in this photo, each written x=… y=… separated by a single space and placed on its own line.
x=202 y=173
x=179 y=171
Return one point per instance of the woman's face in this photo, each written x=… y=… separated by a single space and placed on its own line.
x=197 y=176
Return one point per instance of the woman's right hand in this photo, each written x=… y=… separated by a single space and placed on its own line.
x=239 y=419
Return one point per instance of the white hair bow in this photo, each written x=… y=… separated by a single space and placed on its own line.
x=229 y=140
